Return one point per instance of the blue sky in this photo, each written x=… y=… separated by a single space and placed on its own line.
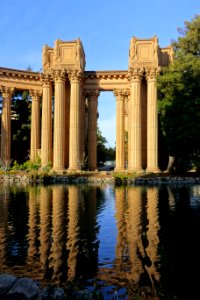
x=104 y=27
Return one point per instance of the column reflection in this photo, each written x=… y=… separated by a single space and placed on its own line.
x=59 y=219
x=4 y=197
x=45 y=228
x=33 y=225
x=73 y=229
x=134 y=233
x=152 y=233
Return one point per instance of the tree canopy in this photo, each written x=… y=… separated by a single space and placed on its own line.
x=179 y=98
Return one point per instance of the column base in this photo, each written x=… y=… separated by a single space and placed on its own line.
x=153 y=170
x=136 y=170
x=73 y=170
x=118 y=169
x=58 y=170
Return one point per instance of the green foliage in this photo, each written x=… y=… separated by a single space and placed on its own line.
x=179 y=98
x=21 y=111
x=28 y=165
x=104 y=153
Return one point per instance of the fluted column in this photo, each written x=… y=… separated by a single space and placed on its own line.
x=92 y=128
x=135 y=149
x=46 y=134
x=152 y=123
x=35 y=123
x=59 y=121
x=6 y=123
x=120 y=130
x=74 y=125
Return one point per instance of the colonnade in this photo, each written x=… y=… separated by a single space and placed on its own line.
x=75 y=119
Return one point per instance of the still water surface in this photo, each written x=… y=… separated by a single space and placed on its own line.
x=133 y=240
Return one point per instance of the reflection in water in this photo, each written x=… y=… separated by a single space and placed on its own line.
x=53 y=234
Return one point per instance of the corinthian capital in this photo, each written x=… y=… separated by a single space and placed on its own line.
x=91 y=94
x=151 y=73
x=74 y=75
x=45 y=78
x=35 y=95
x=6 y=91
x=120 y=94
x=59 y=75
x=135 y=74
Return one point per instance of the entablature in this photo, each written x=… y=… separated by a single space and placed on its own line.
x=20 y=79
x=106 y=80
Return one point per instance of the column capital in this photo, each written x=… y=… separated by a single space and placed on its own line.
x=120 y=94
x=59 y=75
x=45 y=79
x=91 y=94
x=6 y=91
x=74 y=75
x=135 y=74
x=35 y=95
x=151 y=74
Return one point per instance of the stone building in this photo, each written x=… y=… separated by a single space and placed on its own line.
x=69 y=96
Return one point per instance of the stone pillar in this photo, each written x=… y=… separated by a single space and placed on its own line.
x=74 y=124
x=46 y=134
x=152 y=123
x=120 y=130
x=35 y=123
x=92 y=129
x=135 y=155
x=59 y=121
x=6 y=123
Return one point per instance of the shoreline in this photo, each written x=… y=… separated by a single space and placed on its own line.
x=95 y=177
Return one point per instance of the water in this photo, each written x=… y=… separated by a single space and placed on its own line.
x=127 y=242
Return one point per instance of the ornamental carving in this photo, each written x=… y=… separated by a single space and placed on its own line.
x=6 y=92
x=152 y=73
x=74 y=75
x=35 y=95
x=121 y=94
x=135 y=74
x=91 y=94
x=45 y=78
x=59 y=75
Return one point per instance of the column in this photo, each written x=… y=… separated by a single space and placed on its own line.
x=46 y=134
x=6 y=123
x=92 y=129
x=59 y=121
x=152 y=123
x=120 y=130
x=35 y=124
x=74 y=124
x=135 y=149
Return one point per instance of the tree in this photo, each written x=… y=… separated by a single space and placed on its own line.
x=179 y=98
x=103 y=153
x=21 y=112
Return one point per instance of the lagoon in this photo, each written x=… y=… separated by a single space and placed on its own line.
x=130 y=242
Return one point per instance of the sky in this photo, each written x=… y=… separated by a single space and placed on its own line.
x=105 y=28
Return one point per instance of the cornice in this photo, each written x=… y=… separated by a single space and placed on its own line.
x=30 y=75
x=106 y=74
